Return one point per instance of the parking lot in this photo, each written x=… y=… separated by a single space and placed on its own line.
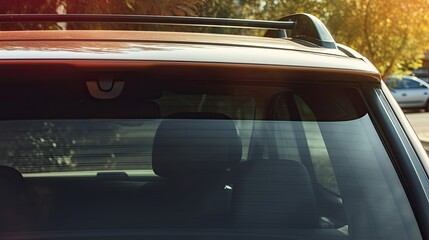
x=419 y=121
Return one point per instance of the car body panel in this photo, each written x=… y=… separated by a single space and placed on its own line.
x=144 y=47
x=411 y=98
x=187 y=70
x=167 y=37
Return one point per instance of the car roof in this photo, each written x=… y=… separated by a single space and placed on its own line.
x=173 y=46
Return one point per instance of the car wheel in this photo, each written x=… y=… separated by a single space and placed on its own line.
x=427 y=106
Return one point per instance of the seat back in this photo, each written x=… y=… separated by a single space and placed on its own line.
x=274 y=193
x=194 y=151
x=14 y=203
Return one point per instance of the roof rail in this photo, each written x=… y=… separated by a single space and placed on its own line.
x=147 y=19
x=301 y=26
x=349 y=51
x=308 y=28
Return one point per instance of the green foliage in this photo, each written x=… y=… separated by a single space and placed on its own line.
x=60 y=145
x=27 y=7
x=393 y=38
x=38 y=145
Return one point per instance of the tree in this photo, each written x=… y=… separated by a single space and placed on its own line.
x=393 y=38
x=393 y=34
x=27 y=7
x=159 y=7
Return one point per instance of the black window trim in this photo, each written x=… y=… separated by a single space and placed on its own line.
x=384 y=109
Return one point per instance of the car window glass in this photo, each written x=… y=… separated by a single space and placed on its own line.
x=413 y=84
x=317 y=149
x=396 y=83
x=312 y=163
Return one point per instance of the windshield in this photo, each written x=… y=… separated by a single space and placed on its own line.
x=176 y=159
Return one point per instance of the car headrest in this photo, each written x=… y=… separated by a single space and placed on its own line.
x=10 y=175
x=195 y=144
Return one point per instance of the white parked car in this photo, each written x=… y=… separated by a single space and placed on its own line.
x=409 y=91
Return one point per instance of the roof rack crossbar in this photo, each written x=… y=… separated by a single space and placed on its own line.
x=147 y=19
x=303 y=27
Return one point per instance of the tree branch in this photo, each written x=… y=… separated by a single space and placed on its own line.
x=366 y=26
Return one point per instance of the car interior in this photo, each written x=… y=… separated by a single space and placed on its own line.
x=257 y=160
